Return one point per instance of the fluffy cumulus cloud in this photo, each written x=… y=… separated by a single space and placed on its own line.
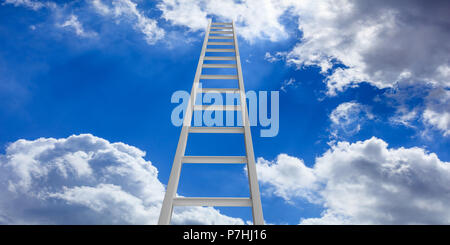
x=383 y=43
x=366 y=183
x=84 y=179
x=380 y=42
x=288 y=177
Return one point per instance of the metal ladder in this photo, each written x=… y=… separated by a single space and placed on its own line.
x=170 y=199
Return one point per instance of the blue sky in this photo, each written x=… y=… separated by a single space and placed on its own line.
x=377 y=105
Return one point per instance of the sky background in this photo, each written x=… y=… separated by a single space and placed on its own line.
x=86 y=136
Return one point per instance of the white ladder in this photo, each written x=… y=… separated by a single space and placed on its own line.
x=170 y=199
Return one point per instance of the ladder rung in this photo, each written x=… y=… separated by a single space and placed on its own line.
x=219 y=50
x=219 y=66
x=214 y=159
x=217 y=130
x=220 y=90
x=221 y=32
x=220 y=37
x=221 y=27
x=218 y=77
x=221 y=23
x=213 y=201
x=220 y=43
x=217 y=107
x=219 y=58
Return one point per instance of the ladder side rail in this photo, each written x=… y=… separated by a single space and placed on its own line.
x=172 y=186
x=251 y=166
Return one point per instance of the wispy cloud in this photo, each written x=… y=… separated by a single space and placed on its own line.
x=127 y=10
x=348 y=118
x=118 y=10
x=271 y=58
x=288 y=83
x=73 y=23
x=35 y=5
x=405 y=117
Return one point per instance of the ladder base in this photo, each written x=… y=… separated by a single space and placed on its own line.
x=217 y=130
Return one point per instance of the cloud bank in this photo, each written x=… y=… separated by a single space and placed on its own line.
x=388 y=44
x=365 y=183
x=379 y=42
x=84 y=179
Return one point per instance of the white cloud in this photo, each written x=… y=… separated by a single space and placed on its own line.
x=383 y=43
x=288 y=176
x=380 y=42
x=119 y=10
x=271 y=58
x=255 y=19
x=100 y=7
x=202 y=215
x=439 y=120
x=437 y=112
x=72 y=22
x=347 y=119
x=288 y=83
x=84 y=179
x=126 y=10
x=35 y=5
x=185 y=13
x=404 y=117
x=368 y=183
